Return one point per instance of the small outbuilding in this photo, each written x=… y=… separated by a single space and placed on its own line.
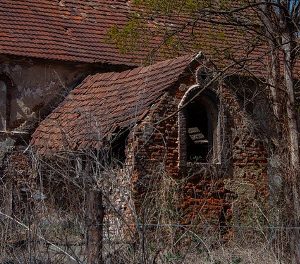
x=181 y=119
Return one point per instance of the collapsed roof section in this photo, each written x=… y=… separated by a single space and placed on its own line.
x=105 y=102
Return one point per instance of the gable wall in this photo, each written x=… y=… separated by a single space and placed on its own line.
x=232 y=192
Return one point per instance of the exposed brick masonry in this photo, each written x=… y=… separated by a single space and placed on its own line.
x=211 y=193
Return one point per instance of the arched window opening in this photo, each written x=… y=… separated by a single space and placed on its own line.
x=199 y=133
x=199 y=128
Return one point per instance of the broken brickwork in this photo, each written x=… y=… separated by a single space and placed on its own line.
x=229 y=188
x=226 y=193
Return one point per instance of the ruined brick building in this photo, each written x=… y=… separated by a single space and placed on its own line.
x=66 y=87
x=210 y=140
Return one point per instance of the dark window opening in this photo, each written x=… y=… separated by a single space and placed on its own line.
x=111 y=155
x=5 y=102
x=199 y=130
x=3 y=105
x=199 y=133
x=118 y=146
x=203 y=75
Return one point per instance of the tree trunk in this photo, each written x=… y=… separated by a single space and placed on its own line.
x=278 y=25
x=287 y=40
x=290 y=104
x=275 y=135
x=94 y=224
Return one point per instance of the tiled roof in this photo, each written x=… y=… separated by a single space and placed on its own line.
x=73 y=30
x=105 y=102
x=77 y=30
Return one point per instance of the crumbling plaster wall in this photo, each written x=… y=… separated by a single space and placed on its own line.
x=38 y=87
x=36 y=83
x=230 y=193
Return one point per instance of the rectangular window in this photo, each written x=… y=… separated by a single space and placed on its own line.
x=3 y=106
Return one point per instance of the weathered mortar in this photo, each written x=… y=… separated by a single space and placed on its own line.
x=249 y=180
x=229 y=193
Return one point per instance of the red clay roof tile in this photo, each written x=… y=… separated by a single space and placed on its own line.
x=116 y=100
x=78 y=31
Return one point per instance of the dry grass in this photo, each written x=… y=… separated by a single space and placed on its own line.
x=53 y=229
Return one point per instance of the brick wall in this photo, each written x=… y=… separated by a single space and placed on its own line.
x=232 y=192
